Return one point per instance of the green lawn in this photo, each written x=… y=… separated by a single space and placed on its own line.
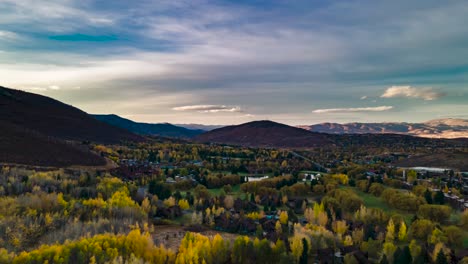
x=371 y=201
x=236 y=192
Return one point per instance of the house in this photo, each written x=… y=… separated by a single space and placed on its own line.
x=170 y=180
x=254 y=179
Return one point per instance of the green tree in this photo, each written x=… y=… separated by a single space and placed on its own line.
x=405 y=256
x=439 y=197
x=384 y=260
x=441 y=258
x=428 y=196
x=305 y=252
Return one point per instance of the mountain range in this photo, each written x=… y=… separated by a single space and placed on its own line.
x=163 y=130
x=39 y=130
x=437 y=128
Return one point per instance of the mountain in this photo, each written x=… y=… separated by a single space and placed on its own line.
x=38 y=130
x=264 y=134
x=53 y=118
x=438 y=128
x=165 y=130
x=22 y=146
x=199 y=126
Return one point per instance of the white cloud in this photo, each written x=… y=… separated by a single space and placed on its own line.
x=357 y=109
x=54 y=87
x=8 y=35
x=208 y=108
x=427 y=94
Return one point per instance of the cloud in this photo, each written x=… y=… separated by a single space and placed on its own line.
x=349 y=110
x=54 y=87
x=5 y=35
x=208 y=108
x=427 y=94
x=364 y=97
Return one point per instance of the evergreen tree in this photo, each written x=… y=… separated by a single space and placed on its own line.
x=428 y=196
x=441 y=258
x=305 y=252
x=384 y=260
x=397 y=254
x=439 y=197
x=404 y=257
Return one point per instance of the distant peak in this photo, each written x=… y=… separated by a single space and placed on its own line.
x=263 y=123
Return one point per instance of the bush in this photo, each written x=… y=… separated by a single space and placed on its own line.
x=421 y=229
x=436 y=213
x=376 y=189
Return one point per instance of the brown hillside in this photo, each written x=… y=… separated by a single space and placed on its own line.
x=20 y=146
x=37 y=130
x=265 y=134
x=52 y=118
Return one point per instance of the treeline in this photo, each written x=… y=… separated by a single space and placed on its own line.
x=138 y=247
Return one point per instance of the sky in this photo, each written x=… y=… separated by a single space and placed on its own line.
x=229 y=62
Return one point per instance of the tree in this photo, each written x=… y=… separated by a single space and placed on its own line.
x=405 y=256
x=160 y=189
x=428 y=196
x=415 y=249
x=227 y=188
x=421 y=229
x=228 y=202
x=437 y=213
x=439 y=253
x=411 y=176
x=339 y=227
x=464 y=219
x=390 y=236
x=219 y=249
x=389 y=249
x=439 y=197
x=350 y=259
x=146 y=205
x=296 y=248
x=454 y=235
x=305 y=252
x=259 y=231
x=441 y=258
x=278 y=228
x=184 y=204
x=402 y=232
x=283 y=217
x=376 y=189
x=384 y=260
x=201 y=192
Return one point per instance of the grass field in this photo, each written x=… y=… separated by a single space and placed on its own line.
x=371 y=201
x=236 y=192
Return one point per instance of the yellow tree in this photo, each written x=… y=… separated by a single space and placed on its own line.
x=340 y=227
x=402 y=232
x=278 y=228
x=296 y=247
x=219 y=249
x=389 y=250
x=183 y=204
x=283 y=217
x=146 y=205
x=390 y=236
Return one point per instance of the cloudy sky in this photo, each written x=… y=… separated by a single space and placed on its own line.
x=233 y=61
